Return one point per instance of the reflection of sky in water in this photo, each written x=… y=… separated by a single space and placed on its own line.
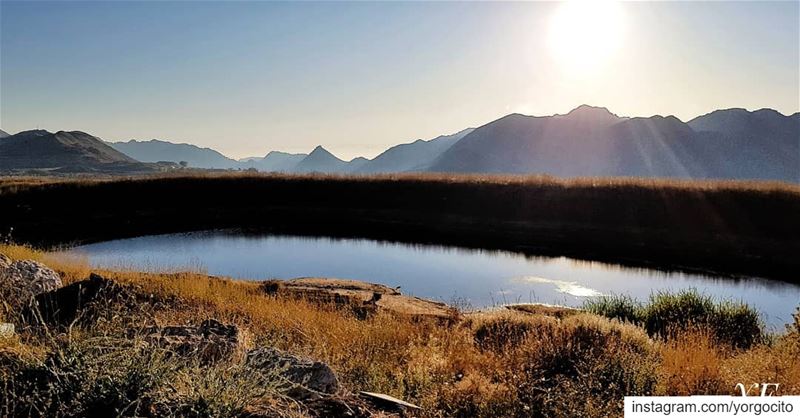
x=483 y=278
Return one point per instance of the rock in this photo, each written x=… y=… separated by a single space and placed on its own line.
x=88 y=301
x=364 y=299
x=556 y=311
x=5 y=261
x=6 y=330
x=209 y=342
x=21 y=280
x=304 y=378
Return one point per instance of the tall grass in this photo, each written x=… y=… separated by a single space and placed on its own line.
x=733 y=323
x=730 y=227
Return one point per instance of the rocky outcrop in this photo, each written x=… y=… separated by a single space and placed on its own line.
x=5 y=261
x=24 y=279
x=90 y=301
x=303 y=378
x=210 y=341
x=363 y=298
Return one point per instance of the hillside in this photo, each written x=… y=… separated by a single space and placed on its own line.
x=414 y=156
x=591 y=141
x=154 y=151
x=3 y=134
x=63 y=151
x=321 y=160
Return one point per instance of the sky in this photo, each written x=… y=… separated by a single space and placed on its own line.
x=246 y=78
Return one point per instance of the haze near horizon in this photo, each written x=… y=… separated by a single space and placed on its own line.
x=246 y=78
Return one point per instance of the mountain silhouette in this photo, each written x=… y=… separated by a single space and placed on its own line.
x=591 y=141
x=62 y=151
x=155 y=150
x=414 y=156
x=274 y=161
x=321 y=161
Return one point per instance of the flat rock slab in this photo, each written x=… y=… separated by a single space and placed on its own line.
x=357 y=293
x=544 y=309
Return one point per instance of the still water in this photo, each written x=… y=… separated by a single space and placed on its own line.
x=472 y=278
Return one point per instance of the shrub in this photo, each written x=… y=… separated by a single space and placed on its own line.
x=583 y=367
x=621 y=307
x=737 y=325
x=668 y=314
x=504 y=330
x=105 y=376
x=691 y=365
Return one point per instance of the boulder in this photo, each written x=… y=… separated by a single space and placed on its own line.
x=23 y=279
x=89 y=301
x=6 y=330
x=304 y=378
x=5 y=261
x=210 y=341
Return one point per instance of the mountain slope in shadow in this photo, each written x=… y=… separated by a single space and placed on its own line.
x=591 y=141
x=63 y=151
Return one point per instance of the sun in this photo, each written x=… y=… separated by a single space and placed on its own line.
x=584 y=34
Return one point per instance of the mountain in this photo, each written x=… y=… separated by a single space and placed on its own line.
x=558 y=145
x=274 y=161
x=154 y=151
x=3 y=134
x=321 y=161
x=591 y=141
x=767 y=143
x=414 y=156
x=63 y=151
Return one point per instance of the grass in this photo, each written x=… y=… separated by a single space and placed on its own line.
x=736 y=228
x=488 y=364
x=732 y=323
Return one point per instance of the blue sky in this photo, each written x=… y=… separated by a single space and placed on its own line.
x=250 y=77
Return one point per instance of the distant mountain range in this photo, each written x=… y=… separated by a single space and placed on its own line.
x=588 y=141
x=154 y=151
x=416 y=156
x=63 y=152
x=591 y=141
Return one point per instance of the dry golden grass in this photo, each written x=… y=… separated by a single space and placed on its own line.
x=691 y=364
x=13 y=182
x=500 y=363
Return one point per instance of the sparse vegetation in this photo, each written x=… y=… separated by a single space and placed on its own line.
x=500 y=363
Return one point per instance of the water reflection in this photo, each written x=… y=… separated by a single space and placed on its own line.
x=478 y=278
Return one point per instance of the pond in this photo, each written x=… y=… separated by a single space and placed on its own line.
x=467 y=277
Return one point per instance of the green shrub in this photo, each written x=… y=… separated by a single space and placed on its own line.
x=666 y=313
x=737 y=324
x=621 y=307
x=669 y=312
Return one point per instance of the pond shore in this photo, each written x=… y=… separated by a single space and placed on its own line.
x=184 y=342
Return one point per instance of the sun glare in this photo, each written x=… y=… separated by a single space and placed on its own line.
x=584 y=34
